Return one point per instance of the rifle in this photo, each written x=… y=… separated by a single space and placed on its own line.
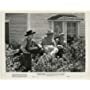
x=33 y=50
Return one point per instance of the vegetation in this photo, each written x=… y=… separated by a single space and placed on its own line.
x=73 y=60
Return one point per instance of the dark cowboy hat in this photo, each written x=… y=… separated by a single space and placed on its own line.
x=30 y=32
x=50 y=32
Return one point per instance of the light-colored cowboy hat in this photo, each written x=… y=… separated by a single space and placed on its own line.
x=50 y=32
x=61 y=34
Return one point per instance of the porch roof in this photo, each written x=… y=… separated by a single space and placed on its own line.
x=65 y=17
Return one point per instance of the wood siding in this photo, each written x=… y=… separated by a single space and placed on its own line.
x=17 y=26
x=38 y=23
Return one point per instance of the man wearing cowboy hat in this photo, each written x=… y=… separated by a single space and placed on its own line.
x=49 y=43
x=27 y=46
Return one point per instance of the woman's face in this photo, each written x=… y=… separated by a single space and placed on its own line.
x=62 y=37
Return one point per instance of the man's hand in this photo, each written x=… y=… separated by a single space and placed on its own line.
x=60 y=46
x=26 y=52
x=33 y=48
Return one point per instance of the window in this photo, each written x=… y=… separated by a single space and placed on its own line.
x=58 y=27
x=71 y=28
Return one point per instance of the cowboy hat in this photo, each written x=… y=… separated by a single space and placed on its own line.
x=50 y=32
x=60 y=35
x=30 y=32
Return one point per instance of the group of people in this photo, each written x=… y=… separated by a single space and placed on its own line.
x=49 y=44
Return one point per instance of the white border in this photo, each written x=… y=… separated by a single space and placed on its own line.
x=43 y=75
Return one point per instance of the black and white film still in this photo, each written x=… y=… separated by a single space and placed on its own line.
x=45 y=42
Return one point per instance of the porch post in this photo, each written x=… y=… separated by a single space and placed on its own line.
x=52 y=25
x=78 y=29
x=28 y=22
x=64 y=25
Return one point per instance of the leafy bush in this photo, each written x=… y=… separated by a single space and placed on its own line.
x=14 y=44
x=73 y=60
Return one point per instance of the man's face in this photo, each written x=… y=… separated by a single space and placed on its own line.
x=51 y=36
x=30 y=36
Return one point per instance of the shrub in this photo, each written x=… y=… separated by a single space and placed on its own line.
x=73 y=60
x=14 y=44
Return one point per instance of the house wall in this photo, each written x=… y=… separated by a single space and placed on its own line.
x=82 y=29
x=17 y=26
x=82 y=24
x=38 y=23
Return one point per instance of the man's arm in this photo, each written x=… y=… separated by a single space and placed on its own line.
x=54 y=43
x=23 y=47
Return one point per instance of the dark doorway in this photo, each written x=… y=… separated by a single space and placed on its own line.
x=7 y=32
